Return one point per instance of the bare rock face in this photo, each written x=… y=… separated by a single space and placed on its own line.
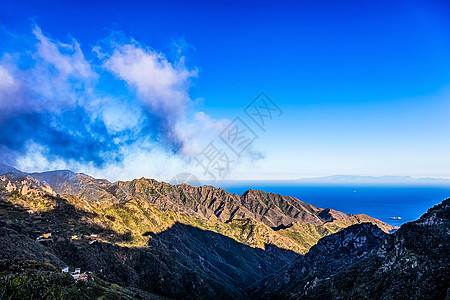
x=328 y=215
x=197 y=259
x=81 y=185
x=19 y=184
x=274 y=210
x=205 y=201
x=327 y=257
x=412 y=263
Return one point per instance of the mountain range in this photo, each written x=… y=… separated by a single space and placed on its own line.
x=144 y=239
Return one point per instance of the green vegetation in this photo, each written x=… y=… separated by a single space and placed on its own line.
x=33 y=201
x=194 y=249
x=134 y=221
x=129 y=213
x=31 y=287
x=140 y=219
x=43 y=281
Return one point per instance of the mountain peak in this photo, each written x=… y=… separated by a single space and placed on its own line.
x=4 y=169
x=329 y=215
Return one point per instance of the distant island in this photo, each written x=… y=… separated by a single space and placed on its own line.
x=352 y=180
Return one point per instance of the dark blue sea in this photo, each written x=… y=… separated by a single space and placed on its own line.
x=381 y=202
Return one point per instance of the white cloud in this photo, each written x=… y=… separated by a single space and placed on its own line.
x=71 y=64
x=12 y=97
x=60 y=79
x=6 y=80
x=163 y=88
x=197 y=133
x=161 y=85
x=143 y=159
x=119 y=116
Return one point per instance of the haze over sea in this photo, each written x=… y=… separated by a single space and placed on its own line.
x=381 y=201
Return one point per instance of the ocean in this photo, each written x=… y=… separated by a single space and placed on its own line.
x=381 y=202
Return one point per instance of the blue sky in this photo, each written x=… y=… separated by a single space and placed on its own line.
x=364 y=86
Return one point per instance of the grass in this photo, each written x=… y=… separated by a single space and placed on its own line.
x=130 y=223
x=37 y=281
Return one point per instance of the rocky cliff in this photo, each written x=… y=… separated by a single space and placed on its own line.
x=145 y=239
x=412 y=263
x=273 y=210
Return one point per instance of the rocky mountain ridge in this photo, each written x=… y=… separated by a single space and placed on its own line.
x=177 y=256
x=273 y=210
x=81 y=190
x=145 y=239
x=412 y=263
x=331 y=254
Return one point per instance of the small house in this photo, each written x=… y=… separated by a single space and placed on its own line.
x=93 y=237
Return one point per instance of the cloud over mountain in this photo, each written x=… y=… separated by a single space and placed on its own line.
x=116 y=106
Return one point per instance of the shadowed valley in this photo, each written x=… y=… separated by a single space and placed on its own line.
x=147 y=239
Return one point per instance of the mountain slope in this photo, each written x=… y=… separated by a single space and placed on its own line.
x=254 y=218
x=412 y=263
x=4 y=169
x=324 y=259
x=180 y=261
x=136 y=217
x=141 y=247
x=202 y=202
